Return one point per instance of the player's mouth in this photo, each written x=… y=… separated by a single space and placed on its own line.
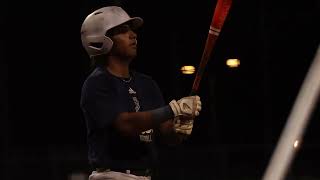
x=134 y=43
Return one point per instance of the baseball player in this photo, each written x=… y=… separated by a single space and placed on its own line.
x=124 y=109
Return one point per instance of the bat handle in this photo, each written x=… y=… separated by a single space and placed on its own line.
x=193 y=93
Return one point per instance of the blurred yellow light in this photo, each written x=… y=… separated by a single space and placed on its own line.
x=188 y=69
x=233 y=63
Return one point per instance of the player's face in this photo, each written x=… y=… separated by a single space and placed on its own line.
x=124 y=41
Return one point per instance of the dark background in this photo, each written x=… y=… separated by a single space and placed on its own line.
x=43 y=133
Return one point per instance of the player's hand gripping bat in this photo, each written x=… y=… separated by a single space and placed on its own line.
x=219 y=16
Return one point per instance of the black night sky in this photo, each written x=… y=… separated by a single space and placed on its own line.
x=244 y=110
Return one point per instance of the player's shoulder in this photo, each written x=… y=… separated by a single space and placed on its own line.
x=97 y=77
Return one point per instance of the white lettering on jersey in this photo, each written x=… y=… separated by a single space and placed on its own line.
x=136 y=103
x=146 y=136
x=131 y=91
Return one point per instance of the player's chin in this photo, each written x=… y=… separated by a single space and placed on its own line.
x=132 y=53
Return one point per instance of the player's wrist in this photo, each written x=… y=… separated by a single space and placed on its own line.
x=175 y=108
x=162 y=114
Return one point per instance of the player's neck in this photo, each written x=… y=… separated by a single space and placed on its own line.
x=118 y=68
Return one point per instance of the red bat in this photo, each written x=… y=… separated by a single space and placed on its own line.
x=219 y=16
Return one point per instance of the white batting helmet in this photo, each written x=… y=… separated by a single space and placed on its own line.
x=96 y=24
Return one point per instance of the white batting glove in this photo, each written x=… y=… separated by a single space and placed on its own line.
x=186 y=106
x=183 y=126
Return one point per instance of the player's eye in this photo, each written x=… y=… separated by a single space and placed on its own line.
x=118 y=30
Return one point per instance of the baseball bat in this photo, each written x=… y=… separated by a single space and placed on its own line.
x=220 y=13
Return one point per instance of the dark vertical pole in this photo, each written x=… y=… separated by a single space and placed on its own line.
x=266 y=78
x=4 y=135
x=4 y=119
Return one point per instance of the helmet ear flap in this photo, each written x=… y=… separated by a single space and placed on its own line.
x=98 y=44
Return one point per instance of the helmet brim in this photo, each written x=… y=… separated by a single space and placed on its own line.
x=135 y=22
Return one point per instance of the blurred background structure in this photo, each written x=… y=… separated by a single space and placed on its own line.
x=43 y=133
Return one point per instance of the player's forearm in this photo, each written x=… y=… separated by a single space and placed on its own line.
x=133 y=123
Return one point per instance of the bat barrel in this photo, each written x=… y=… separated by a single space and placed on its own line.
x=219 y=16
